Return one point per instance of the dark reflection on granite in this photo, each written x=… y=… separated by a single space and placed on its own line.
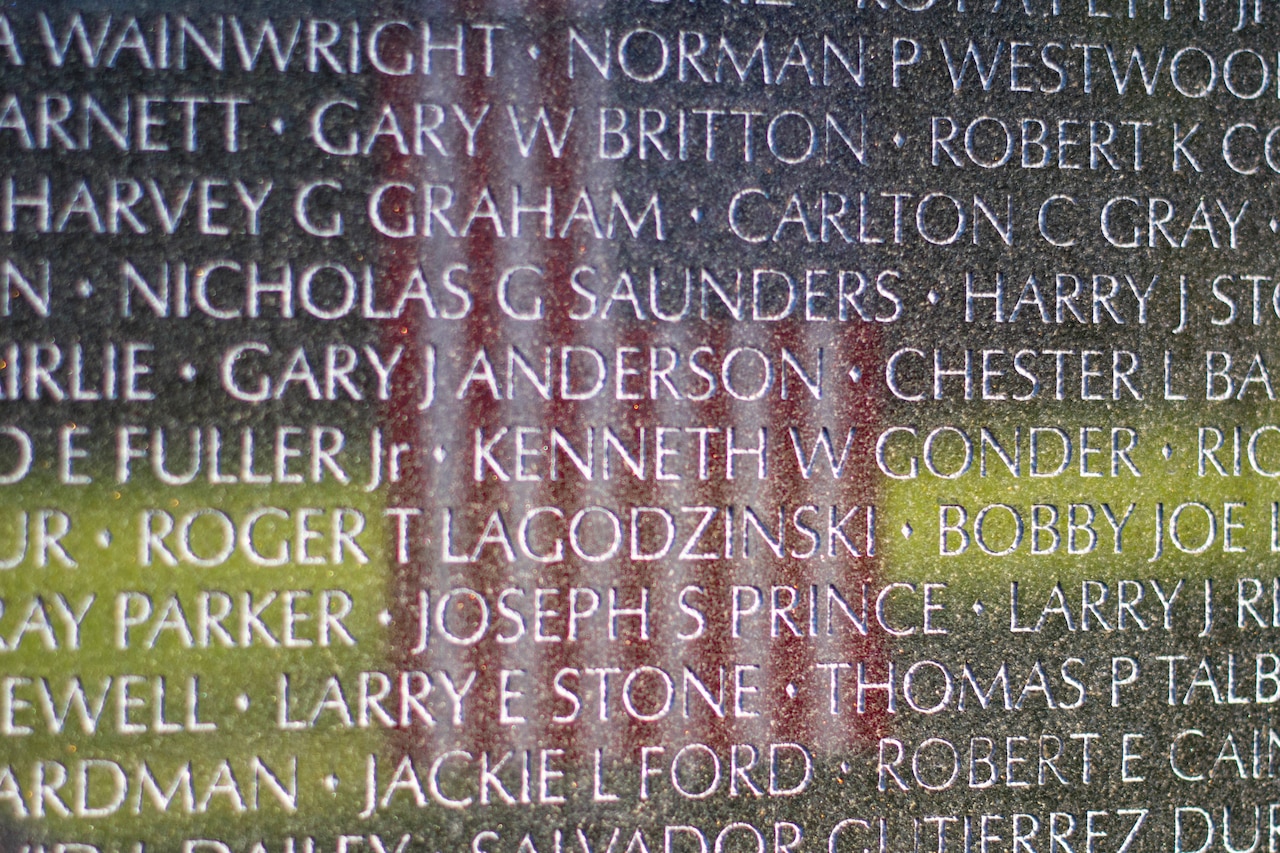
x=638 y=426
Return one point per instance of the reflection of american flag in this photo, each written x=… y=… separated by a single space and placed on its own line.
x=800 y=714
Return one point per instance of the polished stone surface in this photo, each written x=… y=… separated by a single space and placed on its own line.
x=631 y=427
